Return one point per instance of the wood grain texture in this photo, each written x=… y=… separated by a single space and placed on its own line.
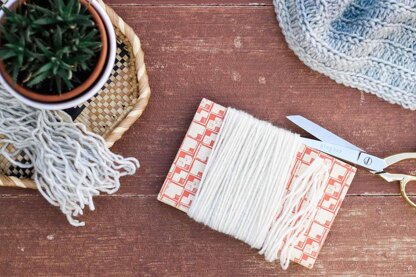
x=234 y=55
x=238 y=59
x=139 y=236
x=188 y=3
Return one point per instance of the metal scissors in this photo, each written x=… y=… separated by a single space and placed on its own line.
x=333 y=145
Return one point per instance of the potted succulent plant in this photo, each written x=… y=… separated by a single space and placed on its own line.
x=53 y=52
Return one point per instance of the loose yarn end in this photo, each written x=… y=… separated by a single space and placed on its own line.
x=71 y=164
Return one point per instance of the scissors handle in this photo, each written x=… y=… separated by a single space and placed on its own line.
x=404 y=179
x=403 y=183
x=399 y=157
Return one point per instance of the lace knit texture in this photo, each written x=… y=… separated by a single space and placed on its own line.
x=365 y=44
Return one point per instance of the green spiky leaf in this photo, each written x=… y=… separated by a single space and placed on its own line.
x=49 y=45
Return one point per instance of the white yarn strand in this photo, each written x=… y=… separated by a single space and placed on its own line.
x=243 y=189
x=307 y=189
x=71 y=164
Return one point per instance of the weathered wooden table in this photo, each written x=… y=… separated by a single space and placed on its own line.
x=232 y=52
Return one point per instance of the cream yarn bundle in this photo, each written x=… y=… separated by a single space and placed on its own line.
x=244 y=193
x=71 y=164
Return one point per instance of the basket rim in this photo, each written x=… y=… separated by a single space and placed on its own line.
x=131 y=117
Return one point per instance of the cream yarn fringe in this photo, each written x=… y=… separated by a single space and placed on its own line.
x=71 y=164
x=244 y=193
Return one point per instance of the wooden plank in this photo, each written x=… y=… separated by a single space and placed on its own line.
x=234 y=53
x=238 y=57
x=132 y=236
x=188 y=3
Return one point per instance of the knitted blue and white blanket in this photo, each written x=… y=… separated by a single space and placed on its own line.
x=365 y=44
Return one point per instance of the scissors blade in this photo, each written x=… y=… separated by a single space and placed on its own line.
x=320 y=132
x=357 y=157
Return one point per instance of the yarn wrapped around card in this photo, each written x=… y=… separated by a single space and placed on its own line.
x=244 y=187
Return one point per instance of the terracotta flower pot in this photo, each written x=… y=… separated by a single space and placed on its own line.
x=95 y=74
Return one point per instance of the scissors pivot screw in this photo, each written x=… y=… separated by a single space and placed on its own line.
x=368 y=161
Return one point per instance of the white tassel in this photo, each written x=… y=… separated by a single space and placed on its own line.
x=298 y=209
x=71 y=164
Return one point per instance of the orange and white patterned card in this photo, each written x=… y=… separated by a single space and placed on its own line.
x=184 y=176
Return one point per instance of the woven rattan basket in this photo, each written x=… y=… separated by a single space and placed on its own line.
x=113 y=110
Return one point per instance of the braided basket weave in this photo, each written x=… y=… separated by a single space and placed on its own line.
x=110 y=112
